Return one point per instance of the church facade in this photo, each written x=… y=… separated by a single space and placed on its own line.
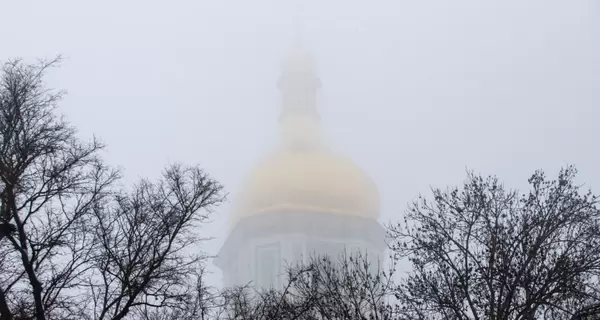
x=303 y=199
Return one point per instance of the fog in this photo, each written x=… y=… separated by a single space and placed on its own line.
x=415 y=92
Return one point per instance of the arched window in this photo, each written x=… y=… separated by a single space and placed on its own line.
x=268 y=265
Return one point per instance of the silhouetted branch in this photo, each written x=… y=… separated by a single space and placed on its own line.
x=350 y=288
x=484 y=252
x=141 y=260
x=49 y=181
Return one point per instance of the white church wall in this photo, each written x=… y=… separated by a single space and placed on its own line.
x=263 y=261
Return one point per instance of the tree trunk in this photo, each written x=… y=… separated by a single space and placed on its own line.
x=4 y=310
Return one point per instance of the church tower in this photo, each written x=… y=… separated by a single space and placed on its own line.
x=303 y=199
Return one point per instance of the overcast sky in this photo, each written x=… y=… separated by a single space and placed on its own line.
x=415 y=92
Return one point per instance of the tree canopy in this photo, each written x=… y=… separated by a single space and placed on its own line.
x=486 y=252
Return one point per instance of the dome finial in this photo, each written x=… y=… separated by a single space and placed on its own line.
x=298 y=58
x=299 y=84
x=299 y=81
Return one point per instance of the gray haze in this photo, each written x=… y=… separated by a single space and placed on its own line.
x=415 y=92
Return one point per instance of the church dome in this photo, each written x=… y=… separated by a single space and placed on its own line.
x=307 y=181
x=303 y=175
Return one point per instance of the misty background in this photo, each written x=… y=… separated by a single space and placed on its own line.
x=416 y=92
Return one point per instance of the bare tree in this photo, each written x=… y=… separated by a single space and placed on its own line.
x=49 y=181
x=485 y=252
x=200 y=302
x=347 y=289
x=249 y=303
x=141 y=261
x=72 y=246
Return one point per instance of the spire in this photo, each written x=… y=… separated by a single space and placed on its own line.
x=299 y=83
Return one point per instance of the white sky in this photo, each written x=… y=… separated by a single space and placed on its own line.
x=414 y=91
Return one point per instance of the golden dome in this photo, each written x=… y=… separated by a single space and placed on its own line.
x=303 y=175
x=307 y=181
